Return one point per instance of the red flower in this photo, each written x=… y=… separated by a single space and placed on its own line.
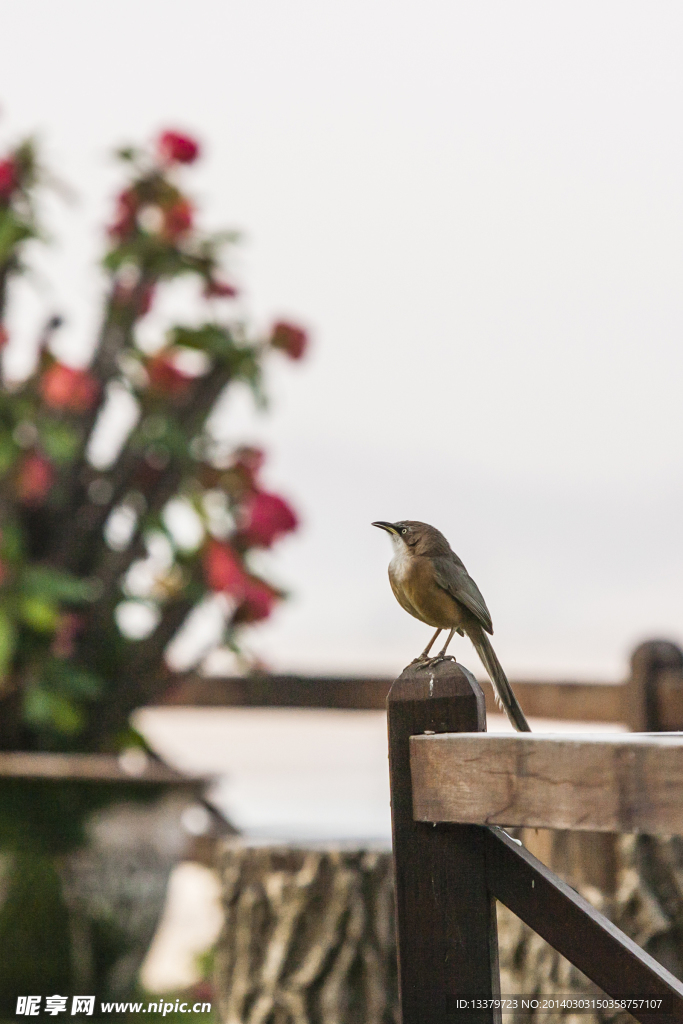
x=36 y=477
x=4 y=336
x=266 y=517
x=257 y=602
x=67 y=389
x=223 y=569
x=176 y=148
x=177 y=219
x=166 y=378
x=127 y=204
x=289 y=338
x=9 y=179
x=214 y=289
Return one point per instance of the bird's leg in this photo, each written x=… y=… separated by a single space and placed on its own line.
x=441 y=656
x=442 y=652
x=425 y=654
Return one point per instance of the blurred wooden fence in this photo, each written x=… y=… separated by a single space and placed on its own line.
x=651 y=699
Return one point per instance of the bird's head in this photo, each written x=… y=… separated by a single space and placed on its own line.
x=418 y=538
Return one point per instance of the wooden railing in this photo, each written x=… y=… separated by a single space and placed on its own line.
x=450 y=795
x=650 y=699
x=453 y=860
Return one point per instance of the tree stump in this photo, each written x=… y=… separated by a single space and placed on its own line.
x=308 y=936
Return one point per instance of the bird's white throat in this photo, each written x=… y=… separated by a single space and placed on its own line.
x=401 y=559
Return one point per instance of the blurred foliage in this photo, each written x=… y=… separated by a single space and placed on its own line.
x=76 y=539
x=173 y=519
x=47 y=818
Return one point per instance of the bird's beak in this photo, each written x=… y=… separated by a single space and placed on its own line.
x=389 y=527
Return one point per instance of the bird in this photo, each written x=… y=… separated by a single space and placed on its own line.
x=432 y=584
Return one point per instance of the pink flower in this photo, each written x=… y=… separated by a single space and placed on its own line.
x=176 y=148
x=165 y=377
x=257 y=602
x=203 y=991
x=289 y=338
x=9 y=179
x=223 y=569
x=36 y=477
x=248 y=462
x=177 y=219
x=127 y=204
x=67 y=389
x=143 y=296
x=265 y=517
x=68 y=628
x=146 y=299
x=214 y=289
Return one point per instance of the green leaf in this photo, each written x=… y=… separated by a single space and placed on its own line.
x=52 y=710
x=12 y=231
x=8 y=452
x=216 y=341
x=129 y=737
x=176 y=440
x=57 y=585
x=12 y=542
x=250 y=372
x=72 y=680
x=39 y=614
x=60 y=441
x=8 y=641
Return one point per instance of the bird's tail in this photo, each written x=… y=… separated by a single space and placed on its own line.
x=501 y=687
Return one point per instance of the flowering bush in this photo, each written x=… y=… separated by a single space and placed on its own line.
x=79 y=544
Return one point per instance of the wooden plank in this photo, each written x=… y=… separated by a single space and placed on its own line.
x=128 y=767
x=445 y=914
x=284 y=691
x=596 y=702
x=564 y=700
x=627 y=783
x=578 y=931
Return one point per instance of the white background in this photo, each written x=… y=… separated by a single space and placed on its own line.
x=478 y=211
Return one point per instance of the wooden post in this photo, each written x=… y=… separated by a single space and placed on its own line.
x=646 y=710
x=446 y=920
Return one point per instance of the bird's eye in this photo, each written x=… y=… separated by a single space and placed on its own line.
x=404 y=530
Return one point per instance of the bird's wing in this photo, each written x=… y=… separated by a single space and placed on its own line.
x=453 y=577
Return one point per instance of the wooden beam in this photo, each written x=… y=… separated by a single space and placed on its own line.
x=131 y=766
x=562 y=700
x=597 y=702
x=273 y=691
x=627 y=783
x=565 y=700
x=578 y=931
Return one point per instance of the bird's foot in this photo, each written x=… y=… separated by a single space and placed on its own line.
x=439 y=657
x=421 y=659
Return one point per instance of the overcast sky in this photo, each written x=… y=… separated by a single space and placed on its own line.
x=478 y=211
